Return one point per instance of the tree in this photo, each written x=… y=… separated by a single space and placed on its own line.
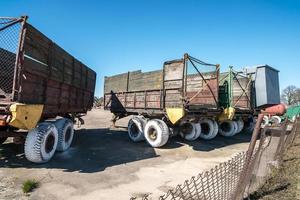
x=291 y=95
x=297 y=97
x=98 y=101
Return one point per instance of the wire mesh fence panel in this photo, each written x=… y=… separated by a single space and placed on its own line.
x=9 y=45
x=275 y=142
x=218 y=183
x=292 y=129
x=243 y=174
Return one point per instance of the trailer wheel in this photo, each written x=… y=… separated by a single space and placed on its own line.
x=227 y=128
x=275 y=120
x=265 y=122
x=249 y=124
x=41 y=143
x=190 y=131
x=2 y=140
x=216 y=128
x=156 y=132
x=208 y=131
x=293 y=118
x=136 y=128
x=240 y=124
x=65 y=129
x=236 y=128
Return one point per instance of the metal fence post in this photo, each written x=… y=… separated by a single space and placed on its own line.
x=238 y=194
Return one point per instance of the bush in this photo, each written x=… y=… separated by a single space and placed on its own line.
x=29 y=185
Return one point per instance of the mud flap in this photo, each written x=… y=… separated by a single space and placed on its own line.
x=25 y=116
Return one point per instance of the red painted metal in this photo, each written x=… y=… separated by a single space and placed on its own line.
x=279 y=109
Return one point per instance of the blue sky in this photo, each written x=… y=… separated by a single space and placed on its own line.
x=119 y=36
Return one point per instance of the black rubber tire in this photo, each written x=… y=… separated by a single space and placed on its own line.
x=162 y=133
x=211 y=132
x=2 y=140
x=193 y=134
x=230 y=129
x=41 y=143
x=65 y=130
x=236 y=128
x=216 y=128
x=240 y=124
x=275 y=120
x=265 y=122
x=136 y=127
x=249 y=125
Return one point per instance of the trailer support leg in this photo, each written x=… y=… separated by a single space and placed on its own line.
x=113 y=120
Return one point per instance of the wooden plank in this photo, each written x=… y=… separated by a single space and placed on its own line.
x=36 y=45
x=173 y=70
x=145 y=81
x=56 y=74
x=116 y=83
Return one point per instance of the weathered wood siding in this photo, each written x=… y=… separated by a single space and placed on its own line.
x=53 y=77
x=133 y=81
x=145 y=81
x=134 y=90
x=240 y=99
x=173 y=83
x=159 y=89
x=199 y=91
x=135 y=100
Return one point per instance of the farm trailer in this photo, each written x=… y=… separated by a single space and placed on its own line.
x=182 y=98
x=39 y=83
x=244 y=94
x=189 y=97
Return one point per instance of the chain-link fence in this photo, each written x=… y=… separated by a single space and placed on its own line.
x=274 y=141
x=244 y=173
x=10 y=35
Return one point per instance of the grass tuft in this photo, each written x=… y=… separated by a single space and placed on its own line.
x=29 y=185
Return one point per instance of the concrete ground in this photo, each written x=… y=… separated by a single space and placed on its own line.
x=105 y=164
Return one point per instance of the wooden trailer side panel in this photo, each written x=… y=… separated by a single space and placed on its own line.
x=198 y=90
x=158 y=90
x=134 y=81
x=241 y=87
x=133 y=90
x=173 y=84
x=145 y=81
x=241 y=93
x=51 y=76
x=144 y=100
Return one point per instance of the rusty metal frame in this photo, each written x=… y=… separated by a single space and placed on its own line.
x=244 y=177
x=11 y=23
x=243 y=89
x=192 y=60
x=19 y=59
x=19 y=56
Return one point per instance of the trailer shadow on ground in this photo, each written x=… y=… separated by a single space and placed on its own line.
x=94 y=150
